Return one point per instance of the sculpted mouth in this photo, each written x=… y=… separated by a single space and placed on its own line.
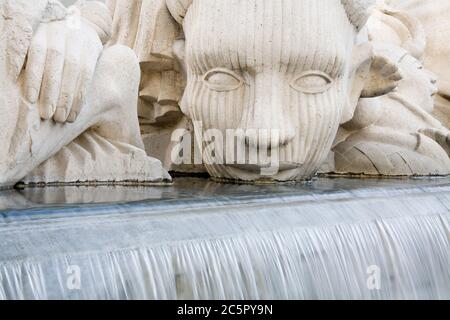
x=282 y=166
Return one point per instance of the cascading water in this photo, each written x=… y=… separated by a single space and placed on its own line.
x=325 y=240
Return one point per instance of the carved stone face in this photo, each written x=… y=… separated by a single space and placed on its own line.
x=282 y=67
x=419 y=85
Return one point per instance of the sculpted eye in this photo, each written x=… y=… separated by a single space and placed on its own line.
x=312 y=82
x=222 y=79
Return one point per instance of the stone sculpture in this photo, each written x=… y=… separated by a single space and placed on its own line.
x=147 y=27
x=251 y=66
x=434 y=16
x=67 y=105
x=397 y=134
x=266 y=87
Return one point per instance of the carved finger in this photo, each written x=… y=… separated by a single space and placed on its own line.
x=53 y=74
x=83 y=83
x=69 y=85
x=34 y=71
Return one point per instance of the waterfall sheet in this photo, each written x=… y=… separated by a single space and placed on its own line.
x=328 y=239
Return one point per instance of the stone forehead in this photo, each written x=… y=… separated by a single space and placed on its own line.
x=268 y=32
x=357 y=10
x=319 y=14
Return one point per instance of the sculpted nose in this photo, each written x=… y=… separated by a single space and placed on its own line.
x=266 y=116
x=434 y=83
x=433 y=77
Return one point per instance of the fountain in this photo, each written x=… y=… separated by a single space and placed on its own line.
x=327 y=239
x=356 y=206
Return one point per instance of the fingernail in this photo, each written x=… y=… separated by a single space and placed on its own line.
x=60 y=115
x=32 y=95
x=52 y=109
x=47 y=113
x=72 y=117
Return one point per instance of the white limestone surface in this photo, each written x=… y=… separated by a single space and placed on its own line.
x=68 y=108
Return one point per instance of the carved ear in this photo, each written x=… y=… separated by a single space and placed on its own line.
x=384 y=77
x=374 y=75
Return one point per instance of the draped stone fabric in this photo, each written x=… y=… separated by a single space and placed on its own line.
x=146 y=26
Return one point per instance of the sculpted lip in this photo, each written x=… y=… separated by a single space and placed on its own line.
x=434 y=92
x=282 y=166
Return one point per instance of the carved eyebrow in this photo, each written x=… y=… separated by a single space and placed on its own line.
x=334 y=68
x=331 y=64
x=332 y=59
x=329 y=58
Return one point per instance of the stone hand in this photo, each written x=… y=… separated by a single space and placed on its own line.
x=60 y=66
